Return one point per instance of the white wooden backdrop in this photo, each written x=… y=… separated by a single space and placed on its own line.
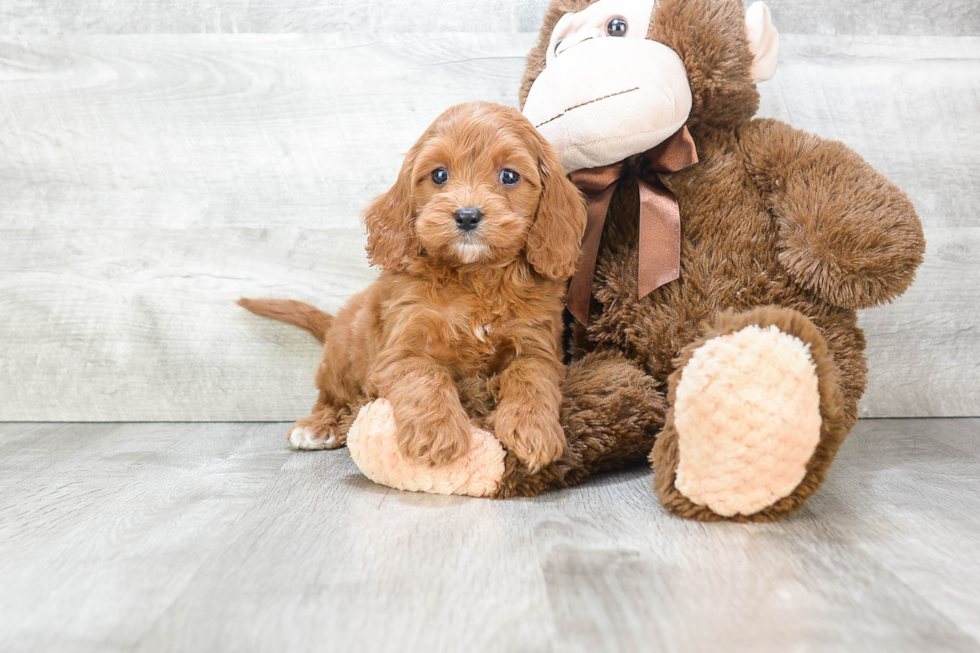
x=160 y=158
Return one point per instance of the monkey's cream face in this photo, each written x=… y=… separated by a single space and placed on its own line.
x=608 y=92
x=628 y=19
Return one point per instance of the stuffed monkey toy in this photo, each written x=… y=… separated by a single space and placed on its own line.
x=716 y=299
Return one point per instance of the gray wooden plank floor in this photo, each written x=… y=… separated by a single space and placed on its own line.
x=215 y=537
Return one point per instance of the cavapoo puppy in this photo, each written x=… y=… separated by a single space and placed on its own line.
x=475 y=240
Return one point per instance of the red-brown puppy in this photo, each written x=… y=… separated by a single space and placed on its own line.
x=476 y=240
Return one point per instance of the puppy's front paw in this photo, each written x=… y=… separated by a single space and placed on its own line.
x=533 y=434
x=311 y=436
x=437 y=438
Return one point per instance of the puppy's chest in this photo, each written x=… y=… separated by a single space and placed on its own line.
x=477 y=341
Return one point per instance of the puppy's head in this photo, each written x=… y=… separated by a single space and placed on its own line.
x=480 y=187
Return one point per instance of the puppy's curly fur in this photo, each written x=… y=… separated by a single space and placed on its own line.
x=454 y=305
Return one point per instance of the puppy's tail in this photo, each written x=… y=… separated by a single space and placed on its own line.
x=302 y=315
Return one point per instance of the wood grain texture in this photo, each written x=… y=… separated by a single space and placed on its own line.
x=148 y=181
x=913 y=17
x=215 y=538
x=101 y=527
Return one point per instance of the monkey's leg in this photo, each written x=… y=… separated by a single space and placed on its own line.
x=756 y=417
x=611 y=412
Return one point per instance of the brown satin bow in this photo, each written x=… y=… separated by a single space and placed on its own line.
x=660 y=220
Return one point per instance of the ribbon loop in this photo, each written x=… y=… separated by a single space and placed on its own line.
x=660 y=222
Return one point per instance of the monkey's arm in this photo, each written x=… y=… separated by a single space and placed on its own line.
x=845 y=232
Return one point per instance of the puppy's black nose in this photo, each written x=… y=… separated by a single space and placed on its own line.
x=467 y=219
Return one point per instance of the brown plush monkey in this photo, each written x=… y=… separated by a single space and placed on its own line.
x=717 y=318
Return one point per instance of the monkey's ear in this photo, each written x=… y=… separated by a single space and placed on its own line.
x=392 y=243
x=763 y=41
x=554 y=239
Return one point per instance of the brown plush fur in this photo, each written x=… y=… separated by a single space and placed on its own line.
x=771 y=217
x=444 y=320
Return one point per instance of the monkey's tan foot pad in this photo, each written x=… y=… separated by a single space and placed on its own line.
x=373 y=444
x=747 y=418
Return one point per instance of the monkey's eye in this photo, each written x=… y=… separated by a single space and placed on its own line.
x=440 y=176
x=617 y=26
x=508 y=177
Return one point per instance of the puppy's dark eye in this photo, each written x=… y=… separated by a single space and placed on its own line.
x=508 y=177
x=558 y=45
x=440 y=176
x=617 y=26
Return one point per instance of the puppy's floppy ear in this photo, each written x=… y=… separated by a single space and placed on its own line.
x=554 y=239
x=392 y=243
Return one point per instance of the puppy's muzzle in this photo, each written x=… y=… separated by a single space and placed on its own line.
x=468 y=219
